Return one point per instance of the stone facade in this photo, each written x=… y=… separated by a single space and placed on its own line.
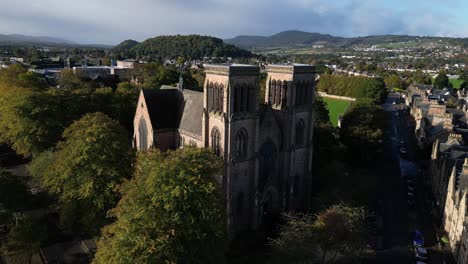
x=266 y=146
x=455 y=213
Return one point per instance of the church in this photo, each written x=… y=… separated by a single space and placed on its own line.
x=266 y=143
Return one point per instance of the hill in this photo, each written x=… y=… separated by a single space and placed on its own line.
x=295 y=38
x=124 y=48
x=17 y=38
x=189 y=46
x=285 y=38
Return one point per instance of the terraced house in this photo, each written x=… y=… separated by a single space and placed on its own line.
x=266 y=144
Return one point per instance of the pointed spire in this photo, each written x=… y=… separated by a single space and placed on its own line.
x=180 y=85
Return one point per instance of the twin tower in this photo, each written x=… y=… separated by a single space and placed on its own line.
x=265 y=141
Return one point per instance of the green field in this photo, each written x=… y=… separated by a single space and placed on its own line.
x=456 y=83
x=336 y=107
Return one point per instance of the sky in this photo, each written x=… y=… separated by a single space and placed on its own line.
x=112 y=21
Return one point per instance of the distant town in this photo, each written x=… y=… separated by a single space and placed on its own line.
x=294 y=148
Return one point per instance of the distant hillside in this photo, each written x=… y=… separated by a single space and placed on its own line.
x=294 y=38
x=190 y=46
x=286 y=38
x=17 y=38
x=124 y=48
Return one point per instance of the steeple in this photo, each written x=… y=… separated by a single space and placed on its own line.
x=180 y=85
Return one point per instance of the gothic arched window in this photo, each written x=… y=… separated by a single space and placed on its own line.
x=237 y=98
x=210 y=96
x=143 y=134
x=278 y=92
x=272 y=91
x=215 y=141
x=300 y=132
x=220 y=97
x=284 y=92
x=241 y=144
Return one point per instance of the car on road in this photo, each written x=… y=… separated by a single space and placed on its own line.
x=418 y=238
x=394 y=102
x=403 y=150
x=420 y=253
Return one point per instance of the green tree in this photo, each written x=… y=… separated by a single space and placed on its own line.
x=394 y=81
x=441 y=81
x=69 y=80
x=22 y=241
x=464 y=75
x=362 y=129
x=14 y=193
x=85 y=169
x=339 y=230
x=170 y=211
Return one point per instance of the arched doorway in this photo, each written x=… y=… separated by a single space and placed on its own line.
x=269 y=195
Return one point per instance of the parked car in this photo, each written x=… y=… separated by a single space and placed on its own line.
x=418 y=238
x=420 y=253
x=403 y=150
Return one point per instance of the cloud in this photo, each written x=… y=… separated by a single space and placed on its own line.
x=111 y=21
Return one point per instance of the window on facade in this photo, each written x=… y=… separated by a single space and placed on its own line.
x=215 y=141
x=272 y=92
x=241 y=144
x=284 y=93
x=220 y=97
x=210 y=96
x=278 y=89
x=143 y=134
x=242 y=102
x=300 y=132
x=215 y=97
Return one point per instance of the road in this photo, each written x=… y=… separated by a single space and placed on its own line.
x=398 y=218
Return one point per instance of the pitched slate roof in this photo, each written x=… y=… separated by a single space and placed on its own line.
x=163 y=107
x=192 y=112
x=169 y=107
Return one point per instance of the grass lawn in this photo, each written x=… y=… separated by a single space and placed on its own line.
x=456 y=83
x=336 y=107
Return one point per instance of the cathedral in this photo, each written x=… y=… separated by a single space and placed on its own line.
x=266 y=143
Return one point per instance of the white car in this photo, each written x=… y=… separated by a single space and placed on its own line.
x=402 y=150
x=420 y=253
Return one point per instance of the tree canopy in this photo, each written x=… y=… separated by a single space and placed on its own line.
x=362 y=129
x=190 y=46
x=339 y=230
x=170 y=211
x=441 y=81
x=353 y=86
x=85 y=169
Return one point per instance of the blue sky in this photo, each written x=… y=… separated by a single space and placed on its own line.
x=111 y=21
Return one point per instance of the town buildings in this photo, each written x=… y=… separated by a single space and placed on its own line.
x=266 y=143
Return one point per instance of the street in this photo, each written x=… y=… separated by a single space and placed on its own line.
x=399 y=218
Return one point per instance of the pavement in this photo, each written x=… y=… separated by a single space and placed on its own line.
x=398 y=219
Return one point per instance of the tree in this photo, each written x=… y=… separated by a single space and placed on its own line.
x=441 y=81
x=464 y=75
x=339 y=230
x=70 y=80
x=170 y=211
x=14 y=193
x=362 y=129
x=394 y=81
x=84 y=170
x=23 y=240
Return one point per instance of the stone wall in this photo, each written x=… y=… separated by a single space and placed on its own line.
x=322 y=94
